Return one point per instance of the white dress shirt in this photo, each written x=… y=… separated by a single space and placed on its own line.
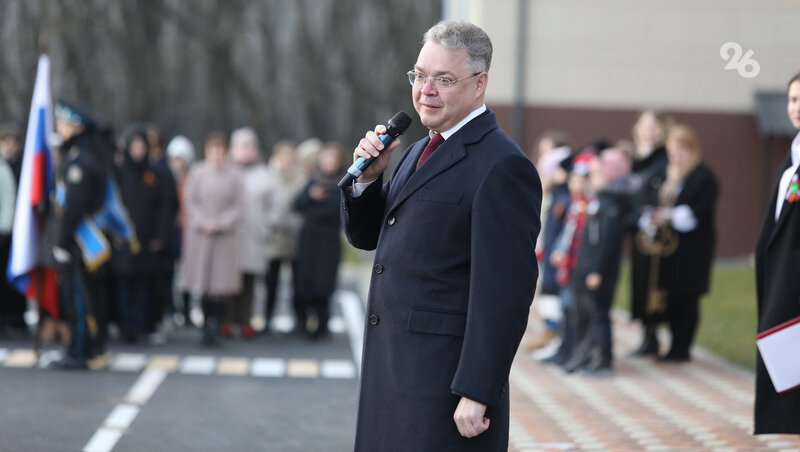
x=786 y=178
x=358 y=188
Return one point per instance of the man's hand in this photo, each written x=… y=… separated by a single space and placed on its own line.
x=370 y=146
x=469 y=418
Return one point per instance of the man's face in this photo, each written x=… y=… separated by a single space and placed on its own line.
x=793 y=106
x=440 y=111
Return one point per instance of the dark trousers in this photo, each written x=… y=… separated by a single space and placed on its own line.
x=133 y=293
x=75 y=306
x=683 y=315
x=240 y=309
x=319 y=306
x=273 y=274
x=12 y=303
x=98 y=290
x=161 y=300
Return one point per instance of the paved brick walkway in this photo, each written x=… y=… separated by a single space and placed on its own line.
x=702 y=405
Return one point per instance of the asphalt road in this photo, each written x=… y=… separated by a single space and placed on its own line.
x=277 y=393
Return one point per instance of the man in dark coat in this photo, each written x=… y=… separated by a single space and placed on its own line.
x=81 y=181
x=455 y=268
x=777 y=284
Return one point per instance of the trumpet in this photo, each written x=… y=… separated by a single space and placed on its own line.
x=657 y=242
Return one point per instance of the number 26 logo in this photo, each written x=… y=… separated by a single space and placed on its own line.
x=747 y=67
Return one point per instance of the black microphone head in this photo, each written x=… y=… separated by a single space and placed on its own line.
x=399 y=123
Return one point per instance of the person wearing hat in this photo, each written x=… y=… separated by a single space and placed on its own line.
x=181 y=155
x=595 y=275
x=80 y=181
x=566 y=245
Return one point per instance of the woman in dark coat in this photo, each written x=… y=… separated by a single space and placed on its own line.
x=141 y=192
x=685 y=213
x=649 y=165
x=778 y=285
x=319 y=249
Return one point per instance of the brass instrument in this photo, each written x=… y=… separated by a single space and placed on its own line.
x=656 y=242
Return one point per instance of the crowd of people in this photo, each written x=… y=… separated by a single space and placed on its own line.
x=178 y=229
x=653 y=193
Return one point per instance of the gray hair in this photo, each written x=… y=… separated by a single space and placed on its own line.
x=453 y=34
x=244 y=135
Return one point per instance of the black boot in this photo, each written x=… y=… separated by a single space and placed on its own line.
x=649 y=346
x=600 y=364
x=679 y=350
x=211 y=322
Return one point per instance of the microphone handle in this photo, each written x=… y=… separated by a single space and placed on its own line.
x=358 y=167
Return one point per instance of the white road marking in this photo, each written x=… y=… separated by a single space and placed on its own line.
x=145 y=386
x=198 y=365
x=48 y=357
x=3 y=354
x=121 y=417
x=268 y=367
x=128 y=362
x=338 y=368
x=103 y=440
x=353 y=312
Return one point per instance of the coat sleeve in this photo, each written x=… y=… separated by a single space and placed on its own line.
x=8 y=193
x=702 y=198
x=505 y=225
x=232 y=214
x=362 y=216
x=78 y=193
x=612 y=228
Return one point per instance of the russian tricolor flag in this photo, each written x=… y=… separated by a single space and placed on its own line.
x=35 y=186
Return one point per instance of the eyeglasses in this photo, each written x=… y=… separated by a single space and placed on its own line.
x=440 y=83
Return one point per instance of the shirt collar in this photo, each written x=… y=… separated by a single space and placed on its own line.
x=449 y=132
x=796 y=150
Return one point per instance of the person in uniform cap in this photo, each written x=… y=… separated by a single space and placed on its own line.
x=80 y=181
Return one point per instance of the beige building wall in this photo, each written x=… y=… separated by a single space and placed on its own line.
x=633 y=53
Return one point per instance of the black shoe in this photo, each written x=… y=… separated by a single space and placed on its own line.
x=649 y=345
x=676 y=357
x=599 y=365
x=69 y=363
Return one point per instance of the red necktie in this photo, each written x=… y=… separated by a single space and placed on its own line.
x=436 y=140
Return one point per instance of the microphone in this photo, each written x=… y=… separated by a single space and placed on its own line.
x=396 y=126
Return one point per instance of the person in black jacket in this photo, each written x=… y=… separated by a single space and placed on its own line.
x=164 y=251
x=141 y=192
x=595 y=276
x=778 y=285
x=685 y=217
x=80 y=181
x=319 y=248
x=650 y=162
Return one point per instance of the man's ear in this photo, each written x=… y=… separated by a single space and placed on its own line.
x=480 y=85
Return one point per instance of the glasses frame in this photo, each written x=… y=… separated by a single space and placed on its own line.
x=447 y=83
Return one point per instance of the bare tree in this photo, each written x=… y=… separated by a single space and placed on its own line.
x=288 y=68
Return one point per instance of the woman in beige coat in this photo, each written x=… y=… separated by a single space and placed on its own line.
x=214 y=202
x=287 y=181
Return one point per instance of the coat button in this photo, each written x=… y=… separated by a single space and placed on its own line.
x=391 y=220
x=378 y=268
x=373 y=319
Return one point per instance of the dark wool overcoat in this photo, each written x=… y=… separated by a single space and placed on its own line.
x=778 y=288
x=454 y=274
x=688 y=269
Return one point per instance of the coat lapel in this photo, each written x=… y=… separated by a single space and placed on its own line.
x=785 y=210
x=405 y=170
x=448 y=154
